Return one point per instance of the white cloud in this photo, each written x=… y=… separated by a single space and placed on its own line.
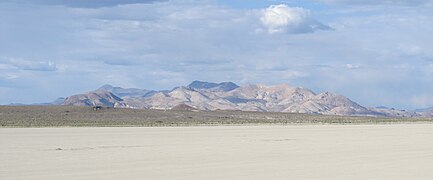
x=278 y=17
x=282 y=18
x=32 y=65
x=353 y=66
x=9 y=76
x=292 y=74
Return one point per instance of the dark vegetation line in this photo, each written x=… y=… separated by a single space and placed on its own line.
x=73 y=116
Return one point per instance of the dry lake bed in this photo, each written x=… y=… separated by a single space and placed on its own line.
x=394 y=151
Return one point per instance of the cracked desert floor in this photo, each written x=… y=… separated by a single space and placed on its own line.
x=398 y=151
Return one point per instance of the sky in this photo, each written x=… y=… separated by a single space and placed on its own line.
x=377 y=53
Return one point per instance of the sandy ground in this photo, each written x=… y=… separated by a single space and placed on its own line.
x=242 y=152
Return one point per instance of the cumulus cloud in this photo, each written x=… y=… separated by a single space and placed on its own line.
x=282 y=18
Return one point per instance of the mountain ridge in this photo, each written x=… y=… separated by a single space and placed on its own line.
x=126 y=92
x=206 y=96
x=202 y=85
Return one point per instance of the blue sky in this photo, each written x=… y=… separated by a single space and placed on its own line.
x=374 y=52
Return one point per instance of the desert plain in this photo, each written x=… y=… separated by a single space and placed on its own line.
x=398 y=151
x=231 y=145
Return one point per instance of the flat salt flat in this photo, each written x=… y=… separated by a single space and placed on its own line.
x=398 y=151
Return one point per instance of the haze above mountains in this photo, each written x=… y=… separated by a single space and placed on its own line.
x=208 y=96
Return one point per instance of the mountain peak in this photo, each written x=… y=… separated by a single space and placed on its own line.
x=202 y=85
x=106 y=87
x=126 y=92
x=93 y=98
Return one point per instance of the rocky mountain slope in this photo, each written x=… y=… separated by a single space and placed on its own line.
x=427 y=112
x=94 y=98
x=228 y=96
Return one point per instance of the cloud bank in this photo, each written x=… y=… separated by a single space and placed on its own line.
x=379 y=2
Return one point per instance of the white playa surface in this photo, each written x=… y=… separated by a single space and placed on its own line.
x=402 y=151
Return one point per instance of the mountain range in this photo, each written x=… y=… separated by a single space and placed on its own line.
x=207 y=96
